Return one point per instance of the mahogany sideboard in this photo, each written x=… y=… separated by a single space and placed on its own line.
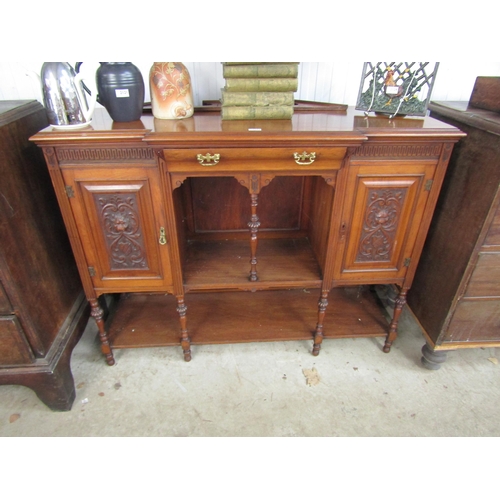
x=43 y=310
x=461 y=309
x=218 y=231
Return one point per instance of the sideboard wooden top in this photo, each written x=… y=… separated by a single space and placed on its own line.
x=348 y=127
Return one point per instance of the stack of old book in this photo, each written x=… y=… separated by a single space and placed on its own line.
x=259 y=91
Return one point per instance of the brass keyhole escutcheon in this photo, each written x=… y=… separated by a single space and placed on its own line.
x=208 y=160
x=304 y=158
x=163 y=238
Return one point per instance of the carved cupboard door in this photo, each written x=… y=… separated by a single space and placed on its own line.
x=121 y=222
x=381 y=216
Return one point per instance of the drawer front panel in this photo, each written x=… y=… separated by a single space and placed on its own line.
x=475 y=320
x=485 y=279
x=493 y=235
x=5 y=307
x=220 y=160
x=14 y=348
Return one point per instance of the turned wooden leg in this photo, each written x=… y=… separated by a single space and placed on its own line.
x=393 y=328
x=97 y=313
x=432 y=360
x=254 y=228
x=185 y=340
x=318 y=334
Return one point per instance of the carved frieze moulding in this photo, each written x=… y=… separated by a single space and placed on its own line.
x=104 y=154
x=399 y=150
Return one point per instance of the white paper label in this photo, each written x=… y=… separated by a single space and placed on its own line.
x=122 y=93
x=391 y=90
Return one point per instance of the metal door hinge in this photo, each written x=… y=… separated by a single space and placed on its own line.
x=70 y=192
x=407 y=262
x=91 y=271
x=163 y=238
x=428 y=185
x=343 y=228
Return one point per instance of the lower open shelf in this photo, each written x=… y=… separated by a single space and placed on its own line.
x=149 y=320
x=223 y=264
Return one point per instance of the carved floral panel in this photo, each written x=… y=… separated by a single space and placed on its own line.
x=120 y=221
x=380 y=223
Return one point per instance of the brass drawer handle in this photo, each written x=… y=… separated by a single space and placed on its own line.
x=208 y=160
x=304 y=158
x=163 y=238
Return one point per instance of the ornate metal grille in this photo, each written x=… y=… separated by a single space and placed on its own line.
x=396 y=88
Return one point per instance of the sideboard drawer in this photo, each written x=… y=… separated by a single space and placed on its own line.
x=204 y=161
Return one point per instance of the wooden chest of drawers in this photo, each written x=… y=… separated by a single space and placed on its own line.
x=461 y=309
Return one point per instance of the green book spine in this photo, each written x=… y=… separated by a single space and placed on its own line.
x=282 y=70
x=261 y=84
x=256 y=112
x=257 y=98
x=239 y=63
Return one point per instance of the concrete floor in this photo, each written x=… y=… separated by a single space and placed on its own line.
x=269 y=389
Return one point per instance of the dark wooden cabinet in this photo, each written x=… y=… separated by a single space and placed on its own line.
x=219 y=232
x=456 y=294
x=42 y=306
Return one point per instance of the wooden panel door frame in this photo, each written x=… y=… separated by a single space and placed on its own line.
x=383 y=207
x=141 y=186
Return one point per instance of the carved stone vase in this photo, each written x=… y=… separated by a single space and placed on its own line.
x=171 y=91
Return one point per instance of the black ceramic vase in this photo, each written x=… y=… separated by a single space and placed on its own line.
x=120 y=89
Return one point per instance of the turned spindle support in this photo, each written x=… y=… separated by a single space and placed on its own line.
x=318 y=334
x=97 y=313
x=185 y=340
x=393 y=328
x=254 y=228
